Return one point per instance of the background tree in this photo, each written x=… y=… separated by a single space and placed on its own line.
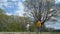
x=40 y=10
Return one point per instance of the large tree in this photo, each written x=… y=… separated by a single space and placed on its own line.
x=40 y=10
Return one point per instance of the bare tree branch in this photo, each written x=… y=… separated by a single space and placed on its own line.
x=48 y=17
x=41 y=14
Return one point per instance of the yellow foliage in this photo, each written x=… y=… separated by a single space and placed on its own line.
x=38 y=24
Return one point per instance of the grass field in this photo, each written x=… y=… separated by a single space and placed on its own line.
x=29 y=33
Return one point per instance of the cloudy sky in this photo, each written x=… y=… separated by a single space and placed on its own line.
x=16 y=7
x=57 y=1
x=12 y=6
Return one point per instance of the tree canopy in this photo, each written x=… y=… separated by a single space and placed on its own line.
x=40 y=10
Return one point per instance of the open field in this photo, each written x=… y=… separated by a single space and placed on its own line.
x=29 y=33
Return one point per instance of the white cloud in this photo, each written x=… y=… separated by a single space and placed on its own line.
x=59 y=20
x=14 y=0
x=8 y=14
x=3 y=0
x=51 y=9
x=23 y=0
x=20 y=7
x=18 y=0
x=53 y=18
x=20 y=10
x=50 y=24
x=10 y=5
x=19 y=13
x=5 y=4
x=57 y=1
x=1 y=5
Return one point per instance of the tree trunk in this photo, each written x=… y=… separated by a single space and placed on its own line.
x=43 y=28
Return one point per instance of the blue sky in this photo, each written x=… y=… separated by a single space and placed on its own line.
x=57 y=1
x=16 y=7
x=12 y=6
